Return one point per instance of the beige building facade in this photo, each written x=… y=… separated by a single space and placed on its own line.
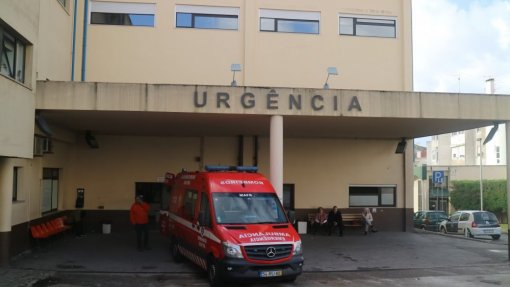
x=116 y=93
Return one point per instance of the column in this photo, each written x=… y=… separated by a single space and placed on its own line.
x=5 y=211
x=276 y=155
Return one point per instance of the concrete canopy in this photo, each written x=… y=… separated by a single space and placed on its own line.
x=176 y=110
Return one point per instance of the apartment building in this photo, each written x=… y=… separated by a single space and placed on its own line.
x=110 y=95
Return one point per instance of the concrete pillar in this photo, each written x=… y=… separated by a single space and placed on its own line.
x=5 y=210
x=508 y=178
x=276 y=154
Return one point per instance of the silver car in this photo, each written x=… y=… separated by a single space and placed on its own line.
x=472 y=223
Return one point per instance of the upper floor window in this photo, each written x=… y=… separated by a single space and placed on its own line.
x=63 y=3
x=125 y=14
x=12 y=56
x=289 y=21
x=368 y=27
x=16 y=183
x=207 y=17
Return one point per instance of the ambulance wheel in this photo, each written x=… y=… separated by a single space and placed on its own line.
x=174 y=250
x=213 y=273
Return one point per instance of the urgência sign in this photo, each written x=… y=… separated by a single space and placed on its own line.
x=273 y=101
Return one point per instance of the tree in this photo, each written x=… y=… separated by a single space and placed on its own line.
x=465 y=194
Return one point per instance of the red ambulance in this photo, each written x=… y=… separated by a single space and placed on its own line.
x=230 y=222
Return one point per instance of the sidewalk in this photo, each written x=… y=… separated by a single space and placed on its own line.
x=116 y=253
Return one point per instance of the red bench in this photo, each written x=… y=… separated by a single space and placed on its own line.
x=50 y=228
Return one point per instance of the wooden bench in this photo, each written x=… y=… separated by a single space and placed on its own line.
x=49 y=228
x=352 y=220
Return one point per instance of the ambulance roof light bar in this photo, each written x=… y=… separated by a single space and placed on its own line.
x=216 y=168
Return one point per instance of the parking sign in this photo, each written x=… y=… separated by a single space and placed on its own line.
x=438 y=177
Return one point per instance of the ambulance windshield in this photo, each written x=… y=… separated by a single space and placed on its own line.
x=247 y=208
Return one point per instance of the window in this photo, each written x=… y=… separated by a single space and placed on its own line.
x=368 y=27
x=50 y=189
x=372 y=196
x=207 y=17
x=464 y=217
x=15 y=183
x=63 y=3
x=289 y=21
x=190 y=202
x=205 y=211
x=247 y=208
x=12 y=56
x=455 y=217
x=124 y=14
x=458 y=152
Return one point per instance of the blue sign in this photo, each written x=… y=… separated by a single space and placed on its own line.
x=438 y=177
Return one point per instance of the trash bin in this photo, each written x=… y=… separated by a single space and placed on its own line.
x=107 y=227
x=302 y=226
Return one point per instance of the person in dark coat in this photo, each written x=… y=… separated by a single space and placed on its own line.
x=335 y=221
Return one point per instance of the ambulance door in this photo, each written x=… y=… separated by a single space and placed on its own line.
x=205 y=225
x=190 y=212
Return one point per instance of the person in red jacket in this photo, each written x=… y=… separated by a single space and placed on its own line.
x=139 y=216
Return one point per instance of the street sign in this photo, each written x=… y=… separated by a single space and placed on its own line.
x=438 y=177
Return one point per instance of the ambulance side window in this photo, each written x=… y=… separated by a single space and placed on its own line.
x=190 y=203
x=205 y=212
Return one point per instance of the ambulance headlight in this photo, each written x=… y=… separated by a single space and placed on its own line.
x=232 y=250
x=297 y=248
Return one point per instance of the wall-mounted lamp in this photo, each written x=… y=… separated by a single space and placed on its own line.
x=331 y=71
x=234 y=68
x=91 y=140
x=401 y=146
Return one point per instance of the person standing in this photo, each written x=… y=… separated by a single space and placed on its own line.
x=139 y=216
x=335 y=221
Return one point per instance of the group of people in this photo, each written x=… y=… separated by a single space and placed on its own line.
x=333 y=220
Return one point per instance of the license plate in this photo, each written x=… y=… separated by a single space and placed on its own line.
x=488 y=231
x=271 y=273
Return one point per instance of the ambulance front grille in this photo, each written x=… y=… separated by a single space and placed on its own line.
x=268 y=252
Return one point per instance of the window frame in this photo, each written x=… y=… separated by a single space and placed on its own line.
x=193 y=201
x=377 y=190
x=355 y=23
x=6 y=33
x=15 y=183
x=209 y=15
x=122 y=8
x=276 y=30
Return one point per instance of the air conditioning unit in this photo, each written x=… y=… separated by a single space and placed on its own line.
x=42 y=145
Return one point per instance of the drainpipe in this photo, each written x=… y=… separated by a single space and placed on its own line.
x=73 y=55
x=84 y=47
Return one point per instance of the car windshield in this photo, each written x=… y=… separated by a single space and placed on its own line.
x=485 y=218
x=438 y=215
x=247 y=208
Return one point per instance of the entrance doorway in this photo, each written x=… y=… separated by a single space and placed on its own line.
x=152 y=193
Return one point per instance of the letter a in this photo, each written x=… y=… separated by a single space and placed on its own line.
x=354 y=104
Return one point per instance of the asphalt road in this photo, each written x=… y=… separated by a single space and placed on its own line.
x=484 y=275
x=382 y=259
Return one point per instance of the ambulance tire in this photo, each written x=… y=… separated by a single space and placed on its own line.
x=214 y=277
x=176 y=254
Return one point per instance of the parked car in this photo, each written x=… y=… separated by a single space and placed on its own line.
x=429 y=219
x=472 y=223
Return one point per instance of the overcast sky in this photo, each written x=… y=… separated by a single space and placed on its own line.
x=458 y=44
